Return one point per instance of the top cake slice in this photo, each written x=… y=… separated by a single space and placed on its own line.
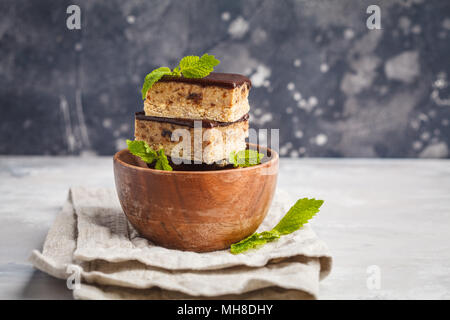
x=219 y=96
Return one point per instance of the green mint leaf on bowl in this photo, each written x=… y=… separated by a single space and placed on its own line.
x=245 y=158
x=189 y=67
x=142 y=150
x=300 y=213
x=162 y=163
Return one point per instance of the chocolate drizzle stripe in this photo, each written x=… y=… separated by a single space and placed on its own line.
x=188 y=122
x=214 y=79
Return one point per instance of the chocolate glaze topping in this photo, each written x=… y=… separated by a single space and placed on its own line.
x=214 y=79
x=188 y=122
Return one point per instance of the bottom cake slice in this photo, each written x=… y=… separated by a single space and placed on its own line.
x=187 y=140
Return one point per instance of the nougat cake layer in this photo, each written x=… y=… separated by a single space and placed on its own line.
x=219 y=97
x=206 y=144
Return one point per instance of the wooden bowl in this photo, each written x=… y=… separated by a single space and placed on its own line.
x=195 y=210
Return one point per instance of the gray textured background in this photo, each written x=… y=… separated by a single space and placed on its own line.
x=332 y=86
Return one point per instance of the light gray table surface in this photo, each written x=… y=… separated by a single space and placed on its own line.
x=387 y=215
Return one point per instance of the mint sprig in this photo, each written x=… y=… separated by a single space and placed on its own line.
x=299 y=214
x=245 y=158
x=198 y=67
x=153 y=77
x=189 y=67
x=142 y=150
x=162 y=163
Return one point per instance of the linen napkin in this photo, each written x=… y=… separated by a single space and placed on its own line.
x=92 y=235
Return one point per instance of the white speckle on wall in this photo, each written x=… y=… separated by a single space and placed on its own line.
x=120 y=144
x=383 y=90
x=285 y=148
x=294 y=154
x=299 y=134
x=290 y=86
x=321 y=139
x=422 y=117
x=27 y=123
x=446 y=24
x=324 y=68
x=131 y=19
x=297 y=96
x=349 y=34
x=260 y=76
x=312 y=101
x=403 y=67
x=124 y=127
x=247 y=71
x=107 y=123
x=416 y=29
x=415 y=124
x=267 y=117
x=238 y=28
x=437 y=150
x=78 y=46
x=135 y=78
x=363 y=75
x=225 y=16
x=258 y=36
x=297 y=63
x=441 y=81
x=425 y=136
x=318 y=112
x=70 y=138
x=417 y=145
x=405 y=24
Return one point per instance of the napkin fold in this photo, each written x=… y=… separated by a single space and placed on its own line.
x=92 y=237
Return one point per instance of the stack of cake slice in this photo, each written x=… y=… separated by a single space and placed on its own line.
x=201 y=120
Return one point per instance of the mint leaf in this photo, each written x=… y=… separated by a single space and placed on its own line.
x=162 y=163
x=245 y=158
x=232 y=158
x=189 y=67
x=198 y=67
x=303 y=210
x=142 y=150
x=153 y=77
x=188 y=62
x=299 y=214
x=253 y=241
x=176 y=72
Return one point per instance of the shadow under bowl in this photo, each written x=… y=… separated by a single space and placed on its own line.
x=195 y=210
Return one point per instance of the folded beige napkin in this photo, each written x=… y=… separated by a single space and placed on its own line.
x=93 y=235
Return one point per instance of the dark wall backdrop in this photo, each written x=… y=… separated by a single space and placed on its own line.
x=332 y=86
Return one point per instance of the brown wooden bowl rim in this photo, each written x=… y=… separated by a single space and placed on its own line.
x=273 y=159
